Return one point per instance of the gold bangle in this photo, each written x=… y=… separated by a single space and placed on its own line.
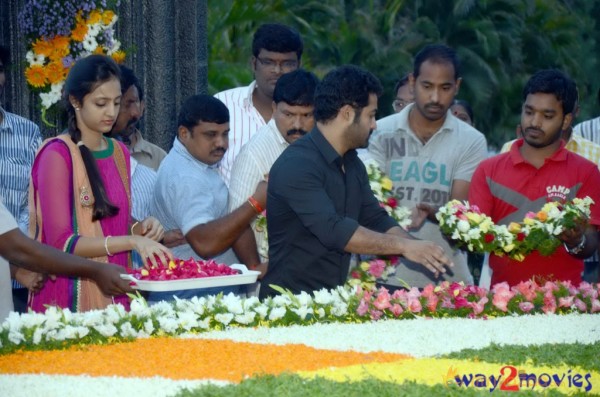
x=106 y=245
x=132 y=226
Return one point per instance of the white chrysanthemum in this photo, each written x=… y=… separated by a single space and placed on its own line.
x=139 y=308
x=262 y=311
x=303 y=311
x=90 y=43
x=127 y=330
x=149 y=326
x=323 y=296
x=49 y=99
x=35 y=59
x=304 y=299
x=167 y=324
x=281 y=300
x=37 y=336
x=250 y=302
x=224 y=318
x=232 y=303
x=246 y=318
x=106 y=330
x=93 y=30
x=187 y=320
x=16 y=337
x=204 y=323
x=277 y=313
x=463 y=226
x=339 y=310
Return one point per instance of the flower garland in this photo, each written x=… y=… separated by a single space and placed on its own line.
x=58 y=327
x=58 y=33
x=366 y=273
x=469 y=227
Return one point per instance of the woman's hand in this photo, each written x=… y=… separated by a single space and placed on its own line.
x=151 y=228
x=151 y=250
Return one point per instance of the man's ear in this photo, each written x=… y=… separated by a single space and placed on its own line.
x=182 y=133
x=347 y=114
x=567 y=121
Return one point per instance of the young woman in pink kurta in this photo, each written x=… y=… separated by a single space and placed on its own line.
x=80 y=192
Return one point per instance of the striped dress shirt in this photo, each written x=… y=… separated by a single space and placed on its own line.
x=244 y=122
x=589 y=129
x=19 y=141
x=250 y=166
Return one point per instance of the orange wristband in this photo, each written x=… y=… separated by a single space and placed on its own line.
x=255 y=204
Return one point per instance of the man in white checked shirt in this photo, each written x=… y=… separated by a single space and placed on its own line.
x=19 y=140
x=276 y=50
x=293 y=103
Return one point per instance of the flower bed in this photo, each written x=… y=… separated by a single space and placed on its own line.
x=219 y=342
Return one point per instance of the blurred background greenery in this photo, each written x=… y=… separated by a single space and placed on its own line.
x=500 y=44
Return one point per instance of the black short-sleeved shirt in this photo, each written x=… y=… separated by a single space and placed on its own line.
x=313 y=209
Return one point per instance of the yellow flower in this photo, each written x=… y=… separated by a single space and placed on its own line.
x=56 y=72
x=118 y=56
x=485 y=225
x=514 y=227
x=107 y=17
x=94 y=17
x=36 y=76
x=528 y=221
x=78 y=34
x=474 y=217
x=42 y=47
x=99 y=50
x=144 y=272
x=519 y=257
x=509 y=247
x=364 y=266
x=386 y=183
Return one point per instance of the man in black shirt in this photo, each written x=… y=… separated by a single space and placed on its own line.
x=319 y=204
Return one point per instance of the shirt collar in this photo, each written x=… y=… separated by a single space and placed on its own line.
x=450 y=123
x=183 y=152
x=141 y=145
x=248 y=99
x=275 y=131
x=517 y=158
x=323 y=146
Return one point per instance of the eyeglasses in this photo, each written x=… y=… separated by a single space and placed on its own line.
x=399 y=104
x=286 y=66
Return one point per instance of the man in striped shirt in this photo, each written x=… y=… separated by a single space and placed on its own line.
x=590 y=130
x=19 y=141
x=276 y=50
x=293 y=103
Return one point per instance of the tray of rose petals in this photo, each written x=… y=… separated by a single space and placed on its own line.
x=179 y=275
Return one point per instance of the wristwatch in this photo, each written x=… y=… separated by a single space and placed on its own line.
x=578 y=248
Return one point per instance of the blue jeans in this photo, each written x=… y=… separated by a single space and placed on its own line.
x=155 y=297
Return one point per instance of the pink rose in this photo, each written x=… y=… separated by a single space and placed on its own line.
x=502 y=295
x=566 y=301
x=479 y=305
x=376 y=314
x=396 y=310
x=595 y=306
x=580 y=305
x=414 y=305
x=363 y=308
x=382 y=301
x=376 y=268
x=526 y=306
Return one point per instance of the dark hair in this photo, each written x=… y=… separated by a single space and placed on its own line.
x=345 y=85
x=436 y=53
x=276 y=37
x=467 y=106
x=553 y=81
x=128 y=79
x=5 y=55
x=199 y=108
x=85 y=75
x=296 y=88
x=401 y=83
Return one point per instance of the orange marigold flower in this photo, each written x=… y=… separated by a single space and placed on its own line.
x=60 y=42
x=99 y=50
x=94 y=17
x=58 y=54
x=78 y=34
x=542 y=216
x=56 y=72
x=36 y=76
x=42 y=47
x=107 y=16
x=118 y=56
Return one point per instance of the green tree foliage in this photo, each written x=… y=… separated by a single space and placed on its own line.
x=500 y=44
